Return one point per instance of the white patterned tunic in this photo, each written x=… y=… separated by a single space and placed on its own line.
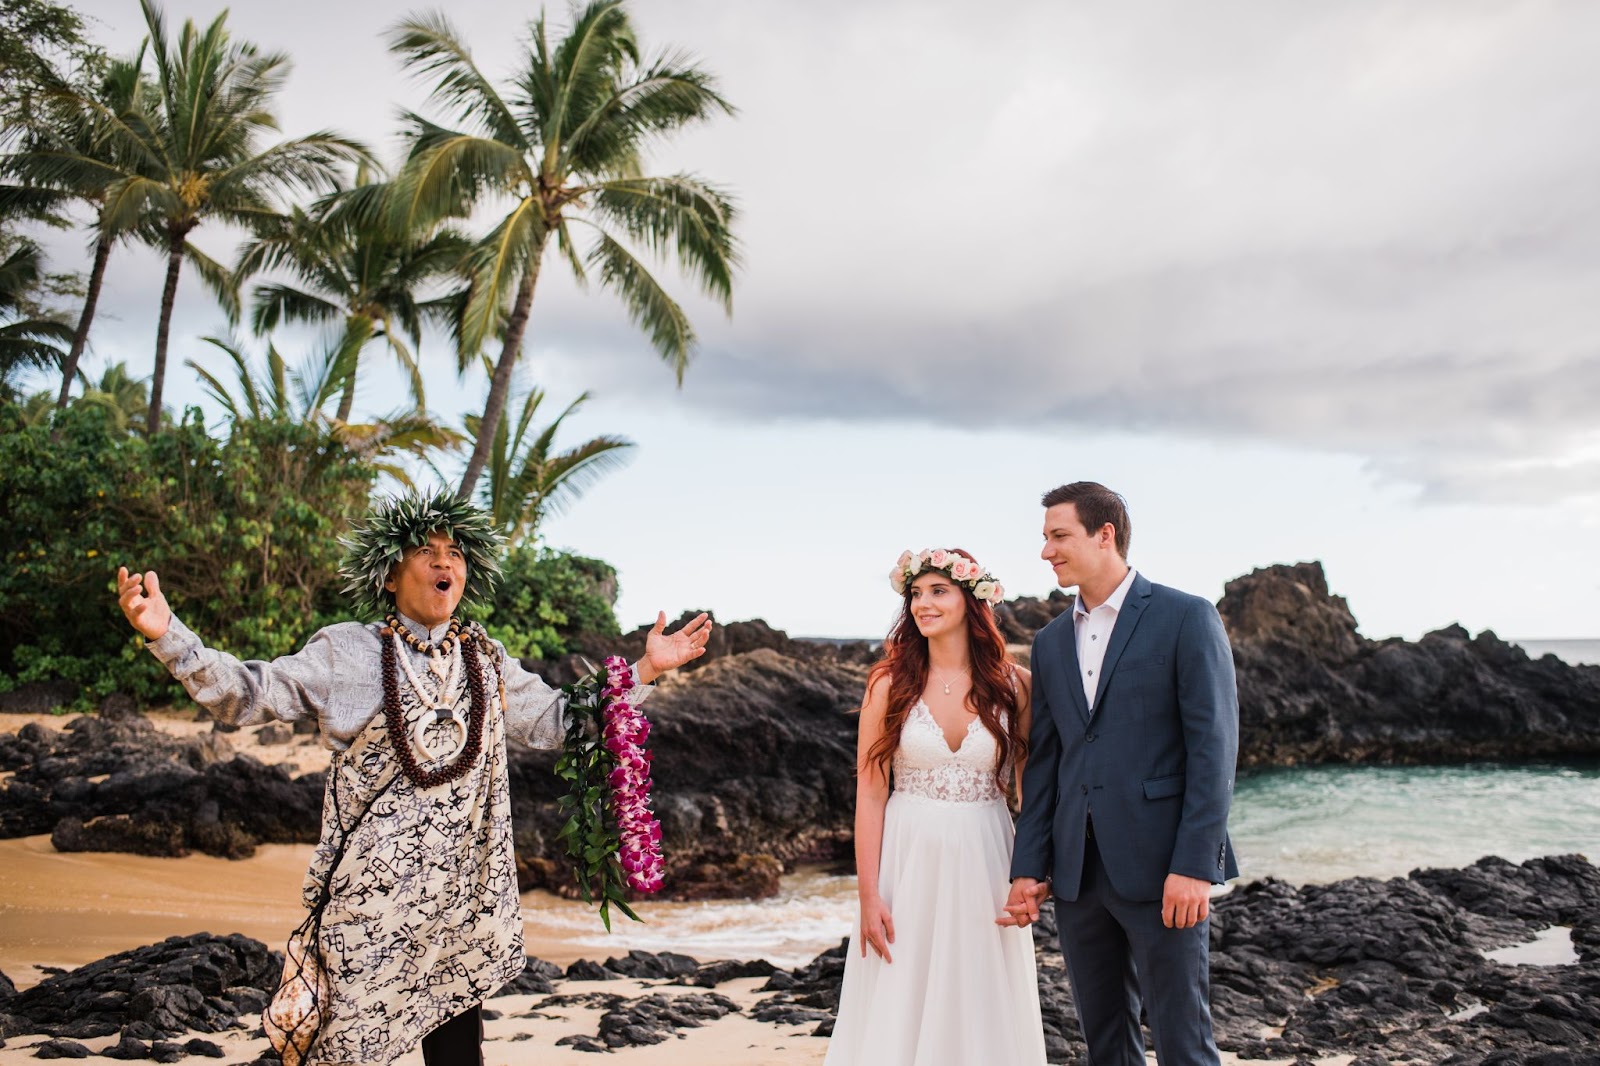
x=423 y=919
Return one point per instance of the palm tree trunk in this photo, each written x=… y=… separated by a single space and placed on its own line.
x=500 y=383
x=169 y=296
x=102 y=252
x=357 y=331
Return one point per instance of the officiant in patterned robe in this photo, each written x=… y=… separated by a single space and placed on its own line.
x=414 y=873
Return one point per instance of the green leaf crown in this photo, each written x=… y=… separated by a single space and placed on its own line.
x=405 y=521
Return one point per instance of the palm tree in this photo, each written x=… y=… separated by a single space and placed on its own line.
x=119 y=392
x=66 y=158
x=529 y=481
x=123 y=395
x=564 y=146
x=302 y=395
x=353 y=269
x=30 y=337
x=194 y=155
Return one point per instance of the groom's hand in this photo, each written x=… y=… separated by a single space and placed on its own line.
x=1185 y=901
x=1022 y=903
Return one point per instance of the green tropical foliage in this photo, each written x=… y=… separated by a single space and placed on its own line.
x=42 y=47
x=67 y=157
x=194 y=155
x=356 y=273
x=245 y=527
x=558 y=155
x=550 y=603
x=300 y=396
x=30 y=336
x=529 y=480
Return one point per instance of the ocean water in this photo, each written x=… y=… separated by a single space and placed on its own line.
x=1323 y=823
x=1302 y=825
x=1576 y=652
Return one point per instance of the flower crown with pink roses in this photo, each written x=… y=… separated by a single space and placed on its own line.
x=962 y=571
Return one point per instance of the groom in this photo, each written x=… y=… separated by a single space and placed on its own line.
x=1125 y=797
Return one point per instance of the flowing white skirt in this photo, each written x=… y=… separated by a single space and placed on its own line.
x=961 y=990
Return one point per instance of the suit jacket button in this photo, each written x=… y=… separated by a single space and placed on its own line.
x=1085 y=790
x=1089 y=737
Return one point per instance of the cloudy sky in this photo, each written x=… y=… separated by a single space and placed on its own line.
x=1303 y=281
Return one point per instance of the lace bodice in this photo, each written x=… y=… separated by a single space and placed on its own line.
x=925 y=766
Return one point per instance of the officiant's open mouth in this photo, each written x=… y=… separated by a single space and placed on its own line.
x=443 y=584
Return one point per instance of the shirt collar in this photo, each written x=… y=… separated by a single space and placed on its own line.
x=434 y=635
x=1114 y=601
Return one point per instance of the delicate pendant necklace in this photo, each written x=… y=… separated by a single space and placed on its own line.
x=946 y=684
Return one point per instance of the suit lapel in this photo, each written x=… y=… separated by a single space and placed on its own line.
x=1127 y=621
x=1069 y=667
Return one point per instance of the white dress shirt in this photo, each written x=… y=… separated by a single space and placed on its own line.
x=1093 y=632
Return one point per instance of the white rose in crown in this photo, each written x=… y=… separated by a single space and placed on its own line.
x=897 y=580
x=914 y=567
x=984 y=590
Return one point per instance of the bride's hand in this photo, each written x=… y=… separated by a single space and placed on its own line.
x=877 y=927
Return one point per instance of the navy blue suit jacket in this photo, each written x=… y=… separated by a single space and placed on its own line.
x=1153 y=762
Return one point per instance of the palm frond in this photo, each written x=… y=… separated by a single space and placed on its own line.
x=433 y=49
x=498 y=264
x=680 y=214
x=278 y=303
x=218 y=279
x=647 y=303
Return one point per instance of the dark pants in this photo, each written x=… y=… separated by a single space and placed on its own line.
x=1115 y=948
x=458 y=1042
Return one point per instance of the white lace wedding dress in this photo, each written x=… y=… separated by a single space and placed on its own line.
x=961 y=991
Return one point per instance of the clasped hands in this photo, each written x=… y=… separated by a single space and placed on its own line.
x=1185 y=902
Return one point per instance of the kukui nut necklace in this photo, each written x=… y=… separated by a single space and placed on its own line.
x=394 y=714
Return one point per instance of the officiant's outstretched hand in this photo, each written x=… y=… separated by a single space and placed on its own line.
x=665 y=651
x=139 y=596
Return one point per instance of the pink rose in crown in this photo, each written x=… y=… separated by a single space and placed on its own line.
x=939 y=559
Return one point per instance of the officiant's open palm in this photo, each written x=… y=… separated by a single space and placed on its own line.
x=140 y=598
x=663 y=651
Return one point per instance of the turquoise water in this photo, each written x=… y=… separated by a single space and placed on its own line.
x=1306 y=824
x=1323 y=823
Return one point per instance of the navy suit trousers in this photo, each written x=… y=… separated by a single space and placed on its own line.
x=1115 y=950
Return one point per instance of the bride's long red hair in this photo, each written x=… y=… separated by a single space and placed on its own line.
x=905 y=663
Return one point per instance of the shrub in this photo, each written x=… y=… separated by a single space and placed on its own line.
x=548 y=600
x=243 y=531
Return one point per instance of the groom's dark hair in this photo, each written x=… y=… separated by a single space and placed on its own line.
x=1096 y=505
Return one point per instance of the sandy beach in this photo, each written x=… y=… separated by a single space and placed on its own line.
x=61 y=910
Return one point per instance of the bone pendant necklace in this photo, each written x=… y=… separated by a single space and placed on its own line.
x=441 y=702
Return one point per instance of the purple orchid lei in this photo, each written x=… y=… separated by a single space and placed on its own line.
x=624 y=734
x=610 y=834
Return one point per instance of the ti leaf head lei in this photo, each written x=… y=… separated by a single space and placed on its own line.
x=405 y=521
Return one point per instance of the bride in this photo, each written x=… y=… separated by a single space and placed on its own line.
x=930 y=978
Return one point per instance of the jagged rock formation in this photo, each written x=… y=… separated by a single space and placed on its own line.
x=1313 y=690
